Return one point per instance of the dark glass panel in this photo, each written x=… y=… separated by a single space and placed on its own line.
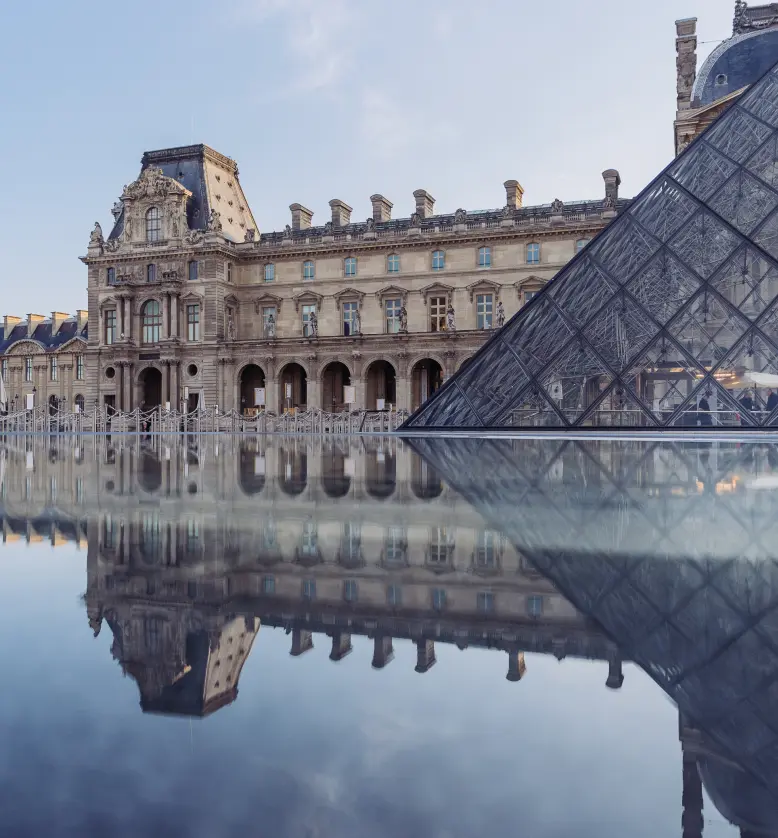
x=748 y=281
x=619 y=331
x=744 y=202
x=664 y=208
x=702 y=170
x=738 y=136
x=741 y=375
x=618 y=409
x=538 y=334
x=625 y=250
x=762 y=100
x=582 y=291
x=764 y=162
x=707 y=328
x=704 y=243
x=767 y=236
x=575 y=379
x=663 y=286
x=492 y=380
x=448 y=408
x=532 y=410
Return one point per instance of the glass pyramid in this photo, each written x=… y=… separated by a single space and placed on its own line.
x=669 y=318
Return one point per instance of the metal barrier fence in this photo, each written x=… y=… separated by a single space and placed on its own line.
x=314 y=421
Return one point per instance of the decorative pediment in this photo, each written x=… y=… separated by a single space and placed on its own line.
x=26 y=346
x=349 y=294
x=231 y=300
x=393 y=291
x=267 y=300
x=163 y=196
x=69 y=347
x=529 y=283
x=437 y=289
x=307 y=298
x=484 y=286
x=108 y=302
x=153 y=184
x=191 y=297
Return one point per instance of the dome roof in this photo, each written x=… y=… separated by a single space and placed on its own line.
x=734 y=64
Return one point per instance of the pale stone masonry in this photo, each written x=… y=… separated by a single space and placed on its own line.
x=188 y=300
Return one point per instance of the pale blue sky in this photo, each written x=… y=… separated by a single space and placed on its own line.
x=319 y=99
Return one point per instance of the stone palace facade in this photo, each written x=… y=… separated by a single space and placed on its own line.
x=190 y=303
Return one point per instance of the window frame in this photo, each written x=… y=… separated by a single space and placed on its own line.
x=309 y=270
x=109 y=326
x=151 y=272
x=53 y=368
x=4 y=369
x=28 y=370
x=438 y=261
x=393 y=259
x=110 y=276
x=484 y=256
x=193 y=322
x=437 y=322
x=153 y=224
x=79 y=367
x=395 y=303
x=151 y=331
x=350 y=590
x=266 y=311
x=305 y=312
x=532 y=253
x=193 y=270
x=269 y=272
x=350 y=307
x=349 y=263
x=484 y=320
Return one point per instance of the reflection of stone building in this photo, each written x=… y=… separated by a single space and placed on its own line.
x=187 y=297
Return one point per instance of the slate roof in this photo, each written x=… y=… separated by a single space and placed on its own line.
x=42 y=335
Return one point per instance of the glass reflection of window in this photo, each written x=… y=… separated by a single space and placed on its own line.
x=439 y=546
x=268 y=585
x=485 y=602
x=393 y=263
x=152 y=634
x=535 y=605
x=438 y=260
x=4 y=369
x=192 y=536
x=109 y=317
x=394 y=596
x=268 y=325
x=395 y=545
x=350 y=590
x=80 y=367
x=109 y=534
x=437 y=309
x=270 y=272
x=151 y=319
x=484 y=257
x=307 y=312
x=350 y=266
x=309 y=588
x=28 y=369
x=351 y=543
x=308 y=541
x=150 y=535
x=153 y=225
x=309 y=270
x=485 y=558
x=349 y=318
x=438 y=599
x=533 y=254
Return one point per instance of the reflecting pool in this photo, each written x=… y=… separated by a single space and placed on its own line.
x=348 y=636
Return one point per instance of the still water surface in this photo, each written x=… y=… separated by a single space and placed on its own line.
x=306 y=637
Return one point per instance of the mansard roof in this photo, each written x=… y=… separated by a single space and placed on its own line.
x=42 y=335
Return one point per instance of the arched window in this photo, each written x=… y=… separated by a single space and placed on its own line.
x=151 y=318
x=153 y=225
x=79 y=403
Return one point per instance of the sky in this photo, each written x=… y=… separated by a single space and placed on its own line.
x=322 y=99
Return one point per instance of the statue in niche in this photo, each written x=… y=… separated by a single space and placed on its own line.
x=250 y=233
x=96 y=236
x=230 y=326
x=356 y=323
x=270 y=327
x=451 y=325
x=557 y=206
x=313 y=325
x=460 y=216
x=214 y=222
x=403 y=318
x=127 y=226
x=500 y=320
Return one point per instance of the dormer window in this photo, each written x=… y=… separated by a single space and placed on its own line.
x=721 y=79
x=153 y=225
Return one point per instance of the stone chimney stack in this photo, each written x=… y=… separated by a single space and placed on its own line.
x=301 y=217
x=685 y=60
x=82 y=316
x=382 y=209
x=425 y=203
x=341 y=213
x=612 y=183
x=9 y=321
x=57 y=319
x=514 y=194
x=32 y=323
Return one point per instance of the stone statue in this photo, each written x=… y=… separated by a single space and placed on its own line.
x=460 y=216
x=127 y=226
x=96 y=236
x=287 y=232
x=174 y=231
x=451 y=325
x=369 y=225
x=416 y=220
x=230 y=327
x=328 y=228
x=740 y=21
x=116 y=210
x=557 y=206
x=270 y=327
x=403 y=319
x=214 y=222
x=250 y=233
x=507 y=211
x=313 y=325
x=193 y=236
x=356 y=323
x=500 y=315
x=609 y=203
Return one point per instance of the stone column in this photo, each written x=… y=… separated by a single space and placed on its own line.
x=131 y=394
x=302 y=642
x=165 y=382
x=313 y=393
x=175 y=384
x=425 y=655
x=174 y=315
x=341 y=646
x=165 y=316
x=516 y=665
x=383 y=652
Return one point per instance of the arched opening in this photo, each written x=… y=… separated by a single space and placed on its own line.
x=425 y=481
x=293 y=391
x=426 y=378
x=335 y=481
x=149 y=472
x=381 y=383
x=334 y=379
x=380 y=473
x=251 y=471
x=292 y=470
x=252 y=378
x=150 y=381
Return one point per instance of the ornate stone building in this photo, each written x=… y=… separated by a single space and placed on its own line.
x=190 y=302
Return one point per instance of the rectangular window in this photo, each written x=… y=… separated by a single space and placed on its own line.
x=193 y=322
x=309 y=588
x=307 y=326
x=437 y=314
x=350 y=590
x=484 y=551
x=110 y=276
x=438 y=599
x=28 y=369
x=194 y=270
x=533 y=254
x=269 y=321
x=309 y=541
x=229 y=271
x=528 y=295
x=394 y=595
x=270 y=272
x=438 y=260
x=4 y=369
x=393 y=316
x=350 y=266
x=192 y=536
x=151 y=273
x=80 y=367
x=110 y=326
x=53 y=368
x=485 y=602
x=484 y=257
x=439 y=546
x=349 y=318
x=393 y=264
x=535 y=606
x=484 y=305
x=581 y=244
x=309 y=270
x=268 y=585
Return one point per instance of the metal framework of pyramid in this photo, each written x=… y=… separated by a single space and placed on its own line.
x=668 y=318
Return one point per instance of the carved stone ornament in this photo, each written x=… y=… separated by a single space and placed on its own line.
x=507 y=211
x=557 y=206
x=328 y=228
x=287 y=232
x=112 y=245
x=250 y=233
x=214 y=222
x=152 y=184
x=96 y=236
x=416 y=220
x=609 y=203
x=451 y=325
x=500 y=322
x=460 y=216
x=369 y=225
x=403 y=319
x=193 y=236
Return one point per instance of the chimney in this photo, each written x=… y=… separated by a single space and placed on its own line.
x=32 y=323
x=514 y=194
x=57 y=319
x=301 y=217
x=382 y=209
x=425 y=203
x=685 y=61
x=341 y=213
x=82 y=315
x=612 y=183
x=9 y=321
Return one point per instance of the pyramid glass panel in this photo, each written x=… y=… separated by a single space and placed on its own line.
x=668 y=319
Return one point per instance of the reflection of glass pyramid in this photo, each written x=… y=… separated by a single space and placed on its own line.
x=668 y=318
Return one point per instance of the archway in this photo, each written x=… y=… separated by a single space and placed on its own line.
x=293 y=391
x=251 y=471
x=426 y=378
x=381 y=383
x=335 y=480
x=292 y=470
x=334 y=378
x=425 y=481
x=150 y=381
x=149 y=472
x=252 y=377
x=380 y=473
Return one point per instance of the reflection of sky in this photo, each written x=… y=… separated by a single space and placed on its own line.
x=312 y=748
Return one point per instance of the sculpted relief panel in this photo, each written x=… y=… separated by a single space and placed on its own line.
x=154 y=208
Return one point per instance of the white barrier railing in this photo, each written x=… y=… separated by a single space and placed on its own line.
x=156 y=421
